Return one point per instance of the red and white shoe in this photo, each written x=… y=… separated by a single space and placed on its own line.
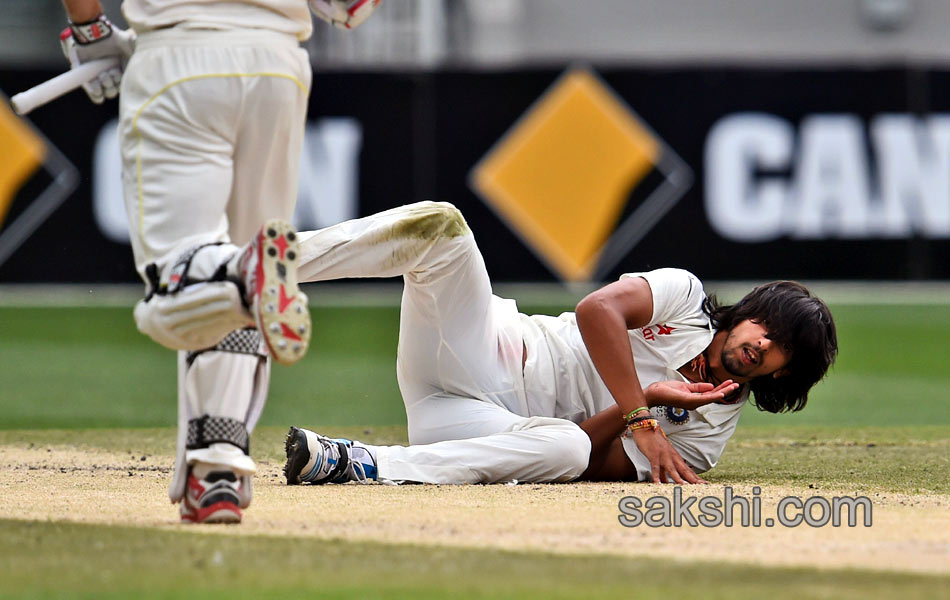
x=270 y=275
x=213 y=495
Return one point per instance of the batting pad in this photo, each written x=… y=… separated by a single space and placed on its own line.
x=221 y=393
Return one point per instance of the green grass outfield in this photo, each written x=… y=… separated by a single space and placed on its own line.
x=881 y=421
x=39 y=561
x=89 y=367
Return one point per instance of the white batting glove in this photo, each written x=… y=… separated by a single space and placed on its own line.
x=83 y=42
x=345 y=14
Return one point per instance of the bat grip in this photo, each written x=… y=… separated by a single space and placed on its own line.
x=24 y=102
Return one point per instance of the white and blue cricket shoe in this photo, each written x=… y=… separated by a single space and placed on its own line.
x=314 y=458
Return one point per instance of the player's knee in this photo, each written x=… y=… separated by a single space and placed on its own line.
x=195 y=318
x=566 y=450
x=577 y=453
x=433 y=220
x=571 y=453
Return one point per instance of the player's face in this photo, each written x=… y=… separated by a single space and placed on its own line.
x=749 y=353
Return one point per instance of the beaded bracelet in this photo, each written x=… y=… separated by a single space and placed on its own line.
x=649 y=423
x=629 y=416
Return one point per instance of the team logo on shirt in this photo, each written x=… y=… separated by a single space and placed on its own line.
x=676 y=416
x=663 y=329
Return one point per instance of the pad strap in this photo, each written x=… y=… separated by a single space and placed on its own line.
x=178 y=278
x=239 y=341
x=207 y=430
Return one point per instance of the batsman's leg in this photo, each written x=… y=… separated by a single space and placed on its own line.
x=185 y=156
x=179 y=174
x=266 y=167
x=221 y=393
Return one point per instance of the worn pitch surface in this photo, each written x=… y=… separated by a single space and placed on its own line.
x=910 y=532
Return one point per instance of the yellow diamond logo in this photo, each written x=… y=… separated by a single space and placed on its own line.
x=562 y=176
x=21 y=154
x=34 y=176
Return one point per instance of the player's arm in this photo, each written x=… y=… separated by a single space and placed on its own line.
x=91 y=36
x=613 y=464
x=608 y=424
x=82 y=11
x=609 y=461
x=604 y=318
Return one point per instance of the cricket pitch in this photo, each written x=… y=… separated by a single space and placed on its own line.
x=910 y=532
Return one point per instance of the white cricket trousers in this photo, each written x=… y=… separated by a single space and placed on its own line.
x=459 y=356
x=211 y=127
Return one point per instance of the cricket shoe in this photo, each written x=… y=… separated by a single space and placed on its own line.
x=213 y=495
x=315 y=458
x=268 y=268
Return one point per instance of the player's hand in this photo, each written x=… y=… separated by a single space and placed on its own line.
x=680 y=394
x=83 y=42
x=665 y=462
x=684 y=470
x=345 y=14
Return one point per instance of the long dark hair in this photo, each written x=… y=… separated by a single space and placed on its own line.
x=793 y=318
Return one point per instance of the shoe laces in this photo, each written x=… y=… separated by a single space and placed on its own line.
x=328 y=458
x=350 y=471
x=355 y=470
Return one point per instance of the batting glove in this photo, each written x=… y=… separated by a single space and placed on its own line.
x=345 y=14
x=83 y=42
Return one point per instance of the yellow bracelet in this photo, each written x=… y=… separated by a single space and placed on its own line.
x=629 y=416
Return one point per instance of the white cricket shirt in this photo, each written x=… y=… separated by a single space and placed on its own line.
x=561 y=380
x=284 y=16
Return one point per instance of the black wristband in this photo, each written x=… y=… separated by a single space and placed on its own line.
x=636 y=420
x=93 y=31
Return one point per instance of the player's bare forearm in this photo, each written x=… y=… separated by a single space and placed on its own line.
x=604 y=318
x=82 y=11
x=605 y=463
x=610 y=464
x=603 y=428
x=608 y=460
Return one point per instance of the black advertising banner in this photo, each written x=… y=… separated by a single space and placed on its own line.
x=577 y=173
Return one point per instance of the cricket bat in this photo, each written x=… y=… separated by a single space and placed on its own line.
x=24 y=102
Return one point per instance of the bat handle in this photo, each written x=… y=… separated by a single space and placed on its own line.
x=24 y=102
